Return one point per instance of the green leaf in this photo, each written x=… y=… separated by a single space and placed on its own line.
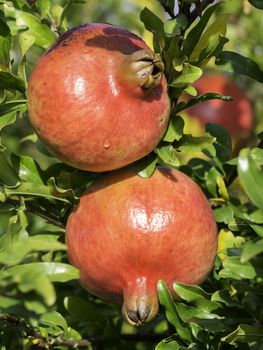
x=197 y=296
x=223 y=143
x=201 y=98
x=9 y=81
x=12 y=106
x=175 y=129
x=224 y=214
x=257 y=3
x=258 y=229
x=56 y=272
x=16 y=252
x=251 y=249
x=59 y=192
x=244 y=333
x=28 y=170
x=197 y=30
x=169 y=344
x=43 y=7
x=251 y=177
x=7 y=174
x=210 y=40
x=257 y=155
x=25 y=41
x=210 y=179
x=213 y=47
x=166 y=301
x=151 y=22
x=41 y=33
x=33 y=189
x=54 y=318
x=84 y=310
x=188 y=76
x=235 y=63
x=168 y=155
x=234 y=268
x=174 y=26
x=6 y=302
x=145 y=167
x=5 y=45
x=33 y=281
x=189 y=143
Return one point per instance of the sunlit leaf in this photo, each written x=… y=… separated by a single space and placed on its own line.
x=251 y=177
x=244 y=333
x=188 y=76
x=168 y=155
x=251 y=249
x=235 y=63
x=56 y=272
x=197 y=30
x=174 y=130
x=146 y=166
x=151 y=22
x=5 y=45
x=170 y=310
x=54 y=318
x=174 y=26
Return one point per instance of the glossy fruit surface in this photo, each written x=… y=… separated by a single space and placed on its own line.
x=98 y=98
x=236 y=116
x=128 y=232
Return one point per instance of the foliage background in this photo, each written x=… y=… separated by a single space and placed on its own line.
x=41 y=303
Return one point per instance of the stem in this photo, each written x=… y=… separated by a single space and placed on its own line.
x=199 y=9
x=45 y=215
x=31 y=208
x=41 y=342
x=38 y=339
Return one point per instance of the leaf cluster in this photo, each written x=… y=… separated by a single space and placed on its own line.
x=41 y=304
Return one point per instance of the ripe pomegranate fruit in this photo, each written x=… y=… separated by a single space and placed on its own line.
x=98 y=98
x=236 y=116
x=128 y=232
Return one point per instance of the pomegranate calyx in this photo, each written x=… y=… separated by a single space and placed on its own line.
x=140 y=303
x=146 y=68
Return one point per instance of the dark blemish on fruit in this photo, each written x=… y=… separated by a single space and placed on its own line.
x=117 y=42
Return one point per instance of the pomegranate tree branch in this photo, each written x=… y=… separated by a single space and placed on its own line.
x=45 y=215
x=197 y=12
x=31 y=208
x=38 y=340
x=41 y=342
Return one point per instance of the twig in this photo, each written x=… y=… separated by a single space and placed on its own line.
x=197 y=12
x=40 y=212
x=40 y=342
x=167 y=9
x=45 y=215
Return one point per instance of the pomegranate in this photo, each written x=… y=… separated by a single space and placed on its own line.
x=98 y=98
x=128 y=232
x=236 y=116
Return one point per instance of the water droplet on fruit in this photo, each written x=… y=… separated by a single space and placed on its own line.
x=106 y=144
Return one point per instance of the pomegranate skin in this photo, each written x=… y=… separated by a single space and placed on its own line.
x=128 y=232
x=88 y=100
x=236 y=116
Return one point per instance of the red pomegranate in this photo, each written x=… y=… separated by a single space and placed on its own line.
x=236 y=116
x=128 y=232
x=98 y=98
